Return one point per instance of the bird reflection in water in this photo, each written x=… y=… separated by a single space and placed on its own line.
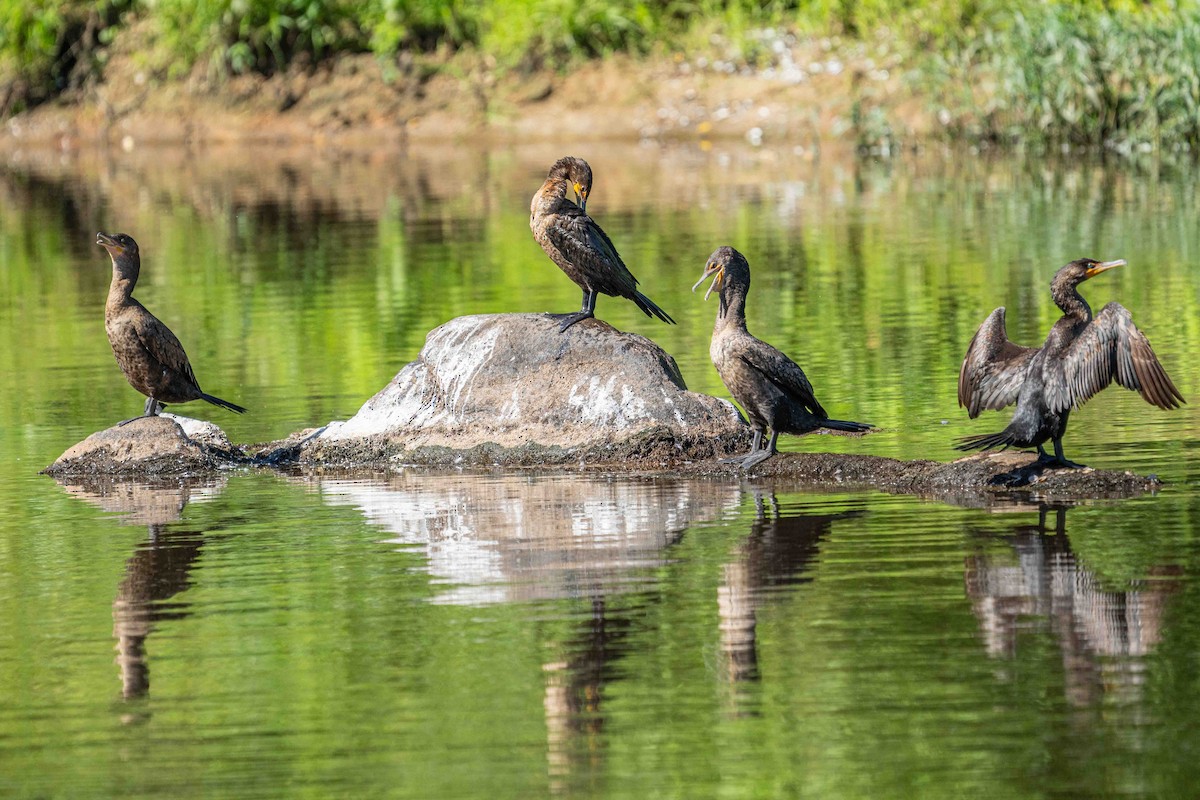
x=1102 y=635
x=575 y=690
x=159 y=569
x=775 y=555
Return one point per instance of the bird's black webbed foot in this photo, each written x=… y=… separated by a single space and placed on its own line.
x=567 y=320
x=1064 y=463
x=754 y=459
x=754 y=449
x=1060 y=460
x=151 y=410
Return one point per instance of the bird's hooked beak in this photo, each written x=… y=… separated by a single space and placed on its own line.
x=1103 y=266
x=110 y=244
x=711 y=269
x=581 y=194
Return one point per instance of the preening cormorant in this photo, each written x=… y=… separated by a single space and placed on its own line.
x=1082 y=355
x=151 y=357
x=769 y=386
x=577 y=244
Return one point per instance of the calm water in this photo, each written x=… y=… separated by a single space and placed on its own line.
x=489 y=634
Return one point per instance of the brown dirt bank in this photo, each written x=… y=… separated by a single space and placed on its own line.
x=822 y=95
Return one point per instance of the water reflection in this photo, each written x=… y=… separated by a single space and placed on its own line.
x=159 y=568
x=495 y=538
x=574 y=692
x=1102 y=635
x=776 y=554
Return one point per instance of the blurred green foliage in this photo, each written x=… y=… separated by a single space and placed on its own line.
x=1120 y=73
x=46 y=47
x=1078 y=74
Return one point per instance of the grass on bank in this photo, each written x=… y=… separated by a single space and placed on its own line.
x=1116 y=73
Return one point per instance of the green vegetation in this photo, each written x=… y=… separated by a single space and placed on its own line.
x=1074 y=73
x=1098 y=72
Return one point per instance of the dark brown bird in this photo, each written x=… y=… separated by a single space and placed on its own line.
x=578 y=246
x=149 y=354
x=1082 y=355
x=772 y=389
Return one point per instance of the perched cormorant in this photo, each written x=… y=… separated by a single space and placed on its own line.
x=1082 y=355
x=772 y=389
x=149 y=354
x=577 y=244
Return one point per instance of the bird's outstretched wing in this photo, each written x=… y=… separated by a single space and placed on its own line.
x=164 y=347
x=587 y=246
x=993 y=370
x=784 y=373
x=1109 y=348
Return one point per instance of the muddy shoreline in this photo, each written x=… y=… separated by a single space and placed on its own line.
x=978 y=480
x=357 y=102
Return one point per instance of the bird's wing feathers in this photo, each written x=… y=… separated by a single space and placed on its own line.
x=587 y=246
x=993 y=370
x=780 y=370
x=1110 y=348
x=163 y=345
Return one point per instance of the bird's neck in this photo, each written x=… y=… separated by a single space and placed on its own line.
x=552 y=193
x=732 y=311
x=1071 y=302
x=124 y=278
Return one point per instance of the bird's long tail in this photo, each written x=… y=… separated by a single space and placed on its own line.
x=844 y=425
x=216 y=401
x=985 y=441
x=651 y=308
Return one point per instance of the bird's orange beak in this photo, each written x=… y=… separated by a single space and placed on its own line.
x=711 y=269
x=1103 y=266
x=581 y=194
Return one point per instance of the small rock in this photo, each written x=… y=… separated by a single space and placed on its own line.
x=150 y=446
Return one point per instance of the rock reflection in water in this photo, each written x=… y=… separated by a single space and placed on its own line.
x=1102 y=635
x=525 y=537
x=776 y=554
x=502 y=538
x=159 y=568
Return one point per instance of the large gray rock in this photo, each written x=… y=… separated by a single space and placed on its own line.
x=515 y=383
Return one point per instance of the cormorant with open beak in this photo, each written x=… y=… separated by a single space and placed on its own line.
x=769 y=386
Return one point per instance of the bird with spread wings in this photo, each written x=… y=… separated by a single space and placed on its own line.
x=1082 y=355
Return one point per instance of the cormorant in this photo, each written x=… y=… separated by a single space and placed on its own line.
x=578 y=246
x=149 y=354
x=772 y=389
x=1081 y=355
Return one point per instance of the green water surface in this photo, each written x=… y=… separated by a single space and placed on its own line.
x=483 y=634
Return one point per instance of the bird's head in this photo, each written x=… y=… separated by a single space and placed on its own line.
x=1081 y=269
x=123 y=251
x=728 y=268
x=117 y=244
x=577 y=173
